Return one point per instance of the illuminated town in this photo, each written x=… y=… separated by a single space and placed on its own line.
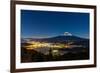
x=37 y=45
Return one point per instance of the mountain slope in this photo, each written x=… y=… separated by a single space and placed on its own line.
x=57 y=39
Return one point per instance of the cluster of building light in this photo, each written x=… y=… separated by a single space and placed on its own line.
x=35 y=44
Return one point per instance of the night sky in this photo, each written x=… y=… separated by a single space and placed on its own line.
x=41 y=24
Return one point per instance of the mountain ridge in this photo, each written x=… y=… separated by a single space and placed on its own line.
x=60 y=38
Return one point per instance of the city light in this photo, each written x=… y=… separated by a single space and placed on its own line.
x=36 y=45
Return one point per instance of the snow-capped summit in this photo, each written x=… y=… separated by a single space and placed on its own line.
x=67 y=34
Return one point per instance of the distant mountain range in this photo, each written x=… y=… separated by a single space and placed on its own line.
x=61 y=38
